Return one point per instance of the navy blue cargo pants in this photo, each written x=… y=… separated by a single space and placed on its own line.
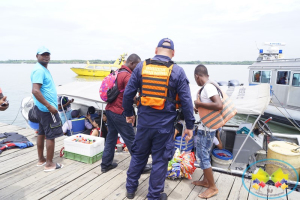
x=161 y=145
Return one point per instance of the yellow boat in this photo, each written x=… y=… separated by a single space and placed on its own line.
x=99 y=69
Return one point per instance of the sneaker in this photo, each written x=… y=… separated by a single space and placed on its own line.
x=112 y=166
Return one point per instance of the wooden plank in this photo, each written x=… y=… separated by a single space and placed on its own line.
x=274 y=192
x=21 y=173
x=9 y=128
x=120 y=193
x=76 y=171
x=30 y=134
x=198 y=189
x=16 y=162
x=184 y=188
x=96 y=183
x=227 y=180
x=80 y=181
x=28 y=186
x=294 y=195
x=20 y=152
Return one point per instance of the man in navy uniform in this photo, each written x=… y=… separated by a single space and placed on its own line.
x=156 y=127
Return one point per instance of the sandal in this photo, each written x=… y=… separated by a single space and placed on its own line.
x=40 y=165
x=58 y=166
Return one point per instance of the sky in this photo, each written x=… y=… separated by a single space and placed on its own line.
x=210 y=30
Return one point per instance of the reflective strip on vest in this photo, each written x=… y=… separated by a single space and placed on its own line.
x=215 y=119
x=155 y=84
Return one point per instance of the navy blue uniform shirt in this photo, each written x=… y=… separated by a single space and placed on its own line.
x=152 y=118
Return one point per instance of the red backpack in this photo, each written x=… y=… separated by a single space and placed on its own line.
x=109 y=90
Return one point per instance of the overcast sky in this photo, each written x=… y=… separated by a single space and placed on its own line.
x=218 y=30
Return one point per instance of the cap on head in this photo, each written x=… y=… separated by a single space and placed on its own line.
x=91 y=110
x=74 y=113
x=42 y=50
x=160 y=44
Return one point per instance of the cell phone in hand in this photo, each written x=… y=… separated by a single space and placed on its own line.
x=5 y=103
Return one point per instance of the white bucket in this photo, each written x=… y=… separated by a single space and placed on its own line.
x=216 y=162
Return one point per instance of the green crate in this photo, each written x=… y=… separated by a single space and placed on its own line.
x=82 y=158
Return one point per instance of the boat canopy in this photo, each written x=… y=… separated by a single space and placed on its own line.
x=83 y=90
x=251 y=100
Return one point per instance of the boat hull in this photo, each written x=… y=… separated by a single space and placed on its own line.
x=90 y=72
x=278 y=117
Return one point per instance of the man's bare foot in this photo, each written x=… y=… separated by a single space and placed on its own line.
x=209 y=192
x=50 y=166
x=201 y=183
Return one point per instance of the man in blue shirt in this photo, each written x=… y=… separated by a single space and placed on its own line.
x=156 y=127
x=45 y=100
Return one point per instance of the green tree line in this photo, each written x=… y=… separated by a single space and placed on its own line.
x=112 y=61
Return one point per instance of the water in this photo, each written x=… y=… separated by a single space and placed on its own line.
x=15 y=83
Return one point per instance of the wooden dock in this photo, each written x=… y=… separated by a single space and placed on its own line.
x=21 y=179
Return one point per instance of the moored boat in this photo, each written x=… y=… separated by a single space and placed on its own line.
x=100 y=70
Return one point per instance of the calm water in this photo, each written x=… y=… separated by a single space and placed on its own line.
x=15 y=83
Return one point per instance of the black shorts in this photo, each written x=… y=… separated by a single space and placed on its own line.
x=47 y=126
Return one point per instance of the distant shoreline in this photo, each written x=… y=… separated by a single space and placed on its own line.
x=111 y=62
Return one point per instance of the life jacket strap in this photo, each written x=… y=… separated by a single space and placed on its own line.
x=158 y=62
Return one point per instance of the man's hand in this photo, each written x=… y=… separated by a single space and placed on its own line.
x=88 y=116
x=5 y=104
x=52 y=109
x=71 y=101
x=195 y=110
x=197 y=103
x=130 y=119
x=3 y=100
x=188 y=133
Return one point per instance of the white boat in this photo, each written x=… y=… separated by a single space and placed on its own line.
x=283 y=76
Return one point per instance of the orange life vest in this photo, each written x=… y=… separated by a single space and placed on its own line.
x=155 y=84
x=215 y=119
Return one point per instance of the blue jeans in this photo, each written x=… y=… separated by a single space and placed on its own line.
x=116 y=124
x=204 y=144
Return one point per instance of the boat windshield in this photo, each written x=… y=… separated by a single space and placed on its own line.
x=283 y=77
x=296 y=80
x=261 y=76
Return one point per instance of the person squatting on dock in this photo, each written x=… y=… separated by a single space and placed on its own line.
x=155 y=127
x=45 y=100
x=211 y=100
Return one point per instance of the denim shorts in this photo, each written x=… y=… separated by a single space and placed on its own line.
x=204 y=144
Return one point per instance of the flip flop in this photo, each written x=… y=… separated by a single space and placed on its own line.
x=41 y=165
x=58 y=166
x=210 y=195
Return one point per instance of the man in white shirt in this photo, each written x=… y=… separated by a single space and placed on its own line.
x=209 y=99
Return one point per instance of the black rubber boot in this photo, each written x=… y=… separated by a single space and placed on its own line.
x=112 y=166
x=163 y=196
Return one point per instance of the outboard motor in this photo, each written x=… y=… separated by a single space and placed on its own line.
x=222 y=83
x=233 y=83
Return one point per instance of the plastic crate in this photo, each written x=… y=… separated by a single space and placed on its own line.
x=84 y=149
x=83 y=158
